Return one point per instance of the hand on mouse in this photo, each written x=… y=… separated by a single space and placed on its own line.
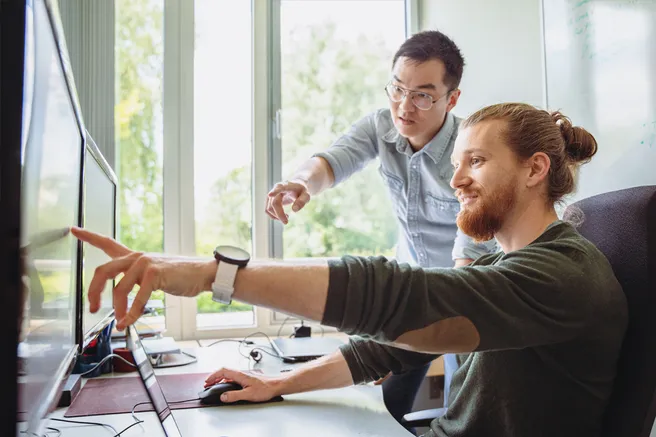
x=255 y=388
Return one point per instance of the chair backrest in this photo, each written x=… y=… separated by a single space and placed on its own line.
x=622 y=224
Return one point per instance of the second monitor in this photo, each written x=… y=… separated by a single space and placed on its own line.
x=99 y=191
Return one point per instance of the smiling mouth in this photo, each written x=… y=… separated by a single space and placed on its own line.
x=466 y=200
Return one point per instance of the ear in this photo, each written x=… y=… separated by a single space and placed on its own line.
x=452 y=100
x=538 y=165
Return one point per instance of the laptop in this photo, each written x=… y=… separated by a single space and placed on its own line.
x=296 y=350
x=155 y=393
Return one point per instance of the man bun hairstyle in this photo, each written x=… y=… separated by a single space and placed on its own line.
x=530 y=130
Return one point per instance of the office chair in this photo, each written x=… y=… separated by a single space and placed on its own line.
x=622 y=224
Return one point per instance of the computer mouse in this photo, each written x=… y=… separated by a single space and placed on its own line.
x=212 y=394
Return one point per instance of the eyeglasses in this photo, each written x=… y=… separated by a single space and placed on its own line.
x=421 y=100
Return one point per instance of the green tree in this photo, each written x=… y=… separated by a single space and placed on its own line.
x=328 y=84
x=336 y=84
x=139 y=60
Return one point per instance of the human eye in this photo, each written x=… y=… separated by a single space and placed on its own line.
x=476 y=160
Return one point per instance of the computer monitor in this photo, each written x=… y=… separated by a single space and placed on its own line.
x=46 y=254
x=155 y=393
x=12 y=51
x=99 y=200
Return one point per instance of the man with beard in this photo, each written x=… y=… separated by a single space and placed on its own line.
x=542 y=320
x=413 y=139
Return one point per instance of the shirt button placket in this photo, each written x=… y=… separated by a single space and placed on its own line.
x=413 y=207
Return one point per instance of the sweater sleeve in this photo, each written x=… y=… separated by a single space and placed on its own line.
x=530 y=297
x=369 y=360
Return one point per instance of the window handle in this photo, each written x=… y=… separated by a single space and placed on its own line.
x=278 y=124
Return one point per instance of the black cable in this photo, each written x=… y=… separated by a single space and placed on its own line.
x=128 y=427
x=82 y=422
x=137 y=421
x=54 y=429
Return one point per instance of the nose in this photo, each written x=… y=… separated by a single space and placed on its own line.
x=406 y=103
x=460 y=178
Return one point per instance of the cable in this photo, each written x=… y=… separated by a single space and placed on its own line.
x=81 y=422
x=281 y=326
x=229 y=339
x=166 y=366
x=54 y=429
x=128 y=427
x=137 y=421
x=103 y=362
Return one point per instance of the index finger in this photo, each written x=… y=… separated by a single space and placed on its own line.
x=233 y=375
x=108 y=245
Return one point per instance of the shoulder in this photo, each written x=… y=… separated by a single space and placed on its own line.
x=382 y=121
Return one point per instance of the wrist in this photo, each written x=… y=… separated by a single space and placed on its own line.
x=209 y=273
x=280 y=385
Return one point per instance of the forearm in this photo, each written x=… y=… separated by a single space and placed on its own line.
x=316 y=173
x=300 y=290
x=327 y=372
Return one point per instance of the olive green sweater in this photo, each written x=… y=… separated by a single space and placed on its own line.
x=551 y=318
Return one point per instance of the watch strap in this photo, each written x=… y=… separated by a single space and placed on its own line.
x=224 y=281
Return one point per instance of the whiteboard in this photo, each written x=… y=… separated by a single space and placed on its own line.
x=600 y=58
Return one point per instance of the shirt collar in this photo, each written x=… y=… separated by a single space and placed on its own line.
x=435 y=147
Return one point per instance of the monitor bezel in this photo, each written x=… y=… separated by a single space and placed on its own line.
x=12 y=47
x=84 y=338
x=36 y=421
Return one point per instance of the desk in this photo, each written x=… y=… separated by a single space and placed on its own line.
x=342 y=412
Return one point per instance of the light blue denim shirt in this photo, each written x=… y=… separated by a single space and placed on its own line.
x=418 y=183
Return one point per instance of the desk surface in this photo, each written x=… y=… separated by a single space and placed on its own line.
x=342 y=412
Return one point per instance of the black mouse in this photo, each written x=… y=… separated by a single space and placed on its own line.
x=212 y=394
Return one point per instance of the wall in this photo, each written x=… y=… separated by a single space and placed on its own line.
x=501 y=42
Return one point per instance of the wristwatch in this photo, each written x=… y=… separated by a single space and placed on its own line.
x=229 y=259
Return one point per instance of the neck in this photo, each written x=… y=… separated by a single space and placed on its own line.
x=526 y=223
x=419 y=142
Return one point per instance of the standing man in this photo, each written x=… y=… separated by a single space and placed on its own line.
x=414 y=140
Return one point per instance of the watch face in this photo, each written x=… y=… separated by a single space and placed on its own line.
x=232 y=254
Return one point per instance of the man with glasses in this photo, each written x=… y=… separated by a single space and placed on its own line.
x=413 y=139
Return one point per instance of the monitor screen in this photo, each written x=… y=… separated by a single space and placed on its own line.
x=155 y=393
x=99 y=216
x=50 y=205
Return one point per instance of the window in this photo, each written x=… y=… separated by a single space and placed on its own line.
x=222 y=143
x=210 y=149
x=138 y=119
x=346 y=64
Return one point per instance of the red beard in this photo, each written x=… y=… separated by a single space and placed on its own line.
x=485 y=217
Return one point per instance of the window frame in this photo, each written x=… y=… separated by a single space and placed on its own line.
x=178 y=172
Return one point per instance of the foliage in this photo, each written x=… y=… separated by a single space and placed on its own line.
x=328 y=84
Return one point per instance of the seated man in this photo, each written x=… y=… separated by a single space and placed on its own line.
x=543 y=319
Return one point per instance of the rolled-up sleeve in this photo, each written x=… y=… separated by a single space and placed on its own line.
x=465 y=247
x=369 y=360
x=353 y=150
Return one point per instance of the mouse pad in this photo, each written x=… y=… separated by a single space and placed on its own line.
x=120 y=395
